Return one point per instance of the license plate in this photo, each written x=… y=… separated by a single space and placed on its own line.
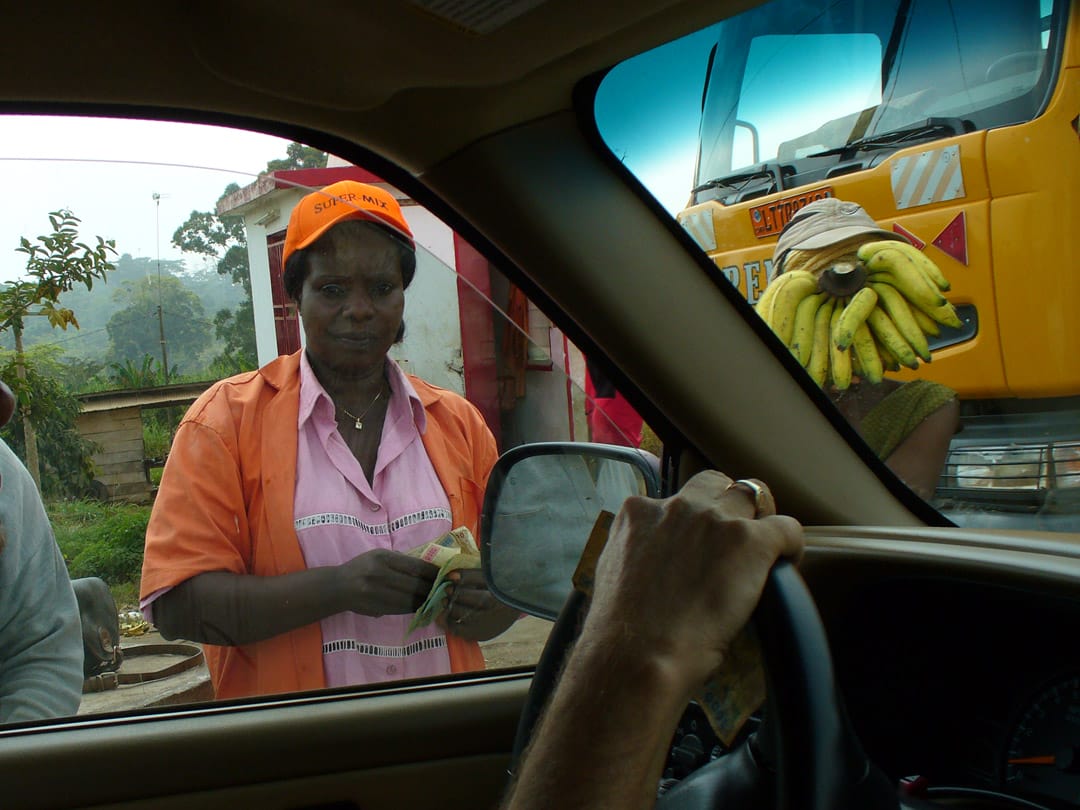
x=769 y=219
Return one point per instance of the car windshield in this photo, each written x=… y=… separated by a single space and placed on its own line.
x=866 y=74
x=934 y=138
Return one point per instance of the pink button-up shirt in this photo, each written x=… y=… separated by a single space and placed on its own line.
x=340 y=515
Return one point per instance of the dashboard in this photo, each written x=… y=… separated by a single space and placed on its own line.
x=966 y=684
x=958 y=662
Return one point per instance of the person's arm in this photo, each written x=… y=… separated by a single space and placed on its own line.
x=471 y=611
x=41 y=648
x=676 y=582
x=920 y=457
x=220 y=607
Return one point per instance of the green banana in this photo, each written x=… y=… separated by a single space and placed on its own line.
x=853 y=314
x=900 y=311
x=818 y=366
x=802 y=338
x=787 y=299
x=899 y=270
x=925 y=264
x=865 y=353
x=886 y=332
x=839 y=359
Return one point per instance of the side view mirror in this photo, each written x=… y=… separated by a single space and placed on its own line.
x=539 y=509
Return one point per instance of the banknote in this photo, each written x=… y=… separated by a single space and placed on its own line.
x=732 y=693
x=454 y=551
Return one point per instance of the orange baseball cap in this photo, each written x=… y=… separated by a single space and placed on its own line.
x=319 y=211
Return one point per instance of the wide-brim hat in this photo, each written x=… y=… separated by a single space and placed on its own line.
x=827 y=222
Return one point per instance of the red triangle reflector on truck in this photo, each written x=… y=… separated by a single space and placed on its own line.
x=904 y=232
x=953 y=239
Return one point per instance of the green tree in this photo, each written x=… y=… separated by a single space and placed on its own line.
x=56 y=263
x=131 y=375
x=133 y=328
x=299 y=157
x=224 y=238
x=65 y=467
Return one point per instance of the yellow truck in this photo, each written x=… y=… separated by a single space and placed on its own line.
x=955 y=124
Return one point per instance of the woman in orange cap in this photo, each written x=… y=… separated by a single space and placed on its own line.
x=292 y=493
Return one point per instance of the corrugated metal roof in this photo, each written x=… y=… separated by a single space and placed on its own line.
x=160 y=397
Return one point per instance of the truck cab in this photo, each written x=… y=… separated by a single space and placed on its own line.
x=926 y=114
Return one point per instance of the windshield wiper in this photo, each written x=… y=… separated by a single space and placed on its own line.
x=930 y=128
x=772 y=171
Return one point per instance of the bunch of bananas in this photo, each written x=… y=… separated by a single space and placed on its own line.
x=861 y=317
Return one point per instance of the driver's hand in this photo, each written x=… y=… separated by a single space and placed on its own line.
x=680 y=577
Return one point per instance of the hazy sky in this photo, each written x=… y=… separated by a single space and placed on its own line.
x=648 y=110
x=107 y=172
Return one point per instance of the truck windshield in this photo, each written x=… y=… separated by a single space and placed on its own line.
x=792 y=83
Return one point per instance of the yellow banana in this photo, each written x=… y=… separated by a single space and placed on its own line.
x=820 y=258
x=764 y=303
x=945 y=314
x=854 y=313
x=856 y=363
x=865 y=355
x=802 y=338
x=886 y=332
x=900 y=311
x=897 y=269
x=888 y=359
x=787 y=299
x=925 y=264
x=925 y=322
x=839 y=359
x=798 y=260
x=821 y=350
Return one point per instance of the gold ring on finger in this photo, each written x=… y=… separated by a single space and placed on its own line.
x=756 y=489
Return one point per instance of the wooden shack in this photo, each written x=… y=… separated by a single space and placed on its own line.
x=113 y=421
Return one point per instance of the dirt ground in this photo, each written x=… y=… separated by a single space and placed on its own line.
x=518 y=646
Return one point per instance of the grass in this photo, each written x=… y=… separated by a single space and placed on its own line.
x=102 y=540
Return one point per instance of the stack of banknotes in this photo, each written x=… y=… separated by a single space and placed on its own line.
x=452 y=552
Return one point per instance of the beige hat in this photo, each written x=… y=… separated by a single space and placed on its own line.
x=826 y=222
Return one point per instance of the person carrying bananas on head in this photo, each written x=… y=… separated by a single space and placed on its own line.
x=853 y=301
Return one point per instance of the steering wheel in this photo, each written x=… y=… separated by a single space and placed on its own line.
x=805 y=755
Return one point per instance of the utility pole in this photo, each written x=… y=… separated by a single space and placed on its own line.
x=160 y=313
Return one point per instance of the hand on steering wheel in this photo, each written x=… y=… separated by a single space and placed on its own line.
x=678 y=579
x=726 y=536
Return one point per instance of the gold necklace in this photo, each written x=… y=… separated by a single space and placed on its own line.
x=359 y=424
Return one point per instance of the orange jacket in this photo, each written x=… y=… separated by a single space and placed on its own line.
x=226 y=504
